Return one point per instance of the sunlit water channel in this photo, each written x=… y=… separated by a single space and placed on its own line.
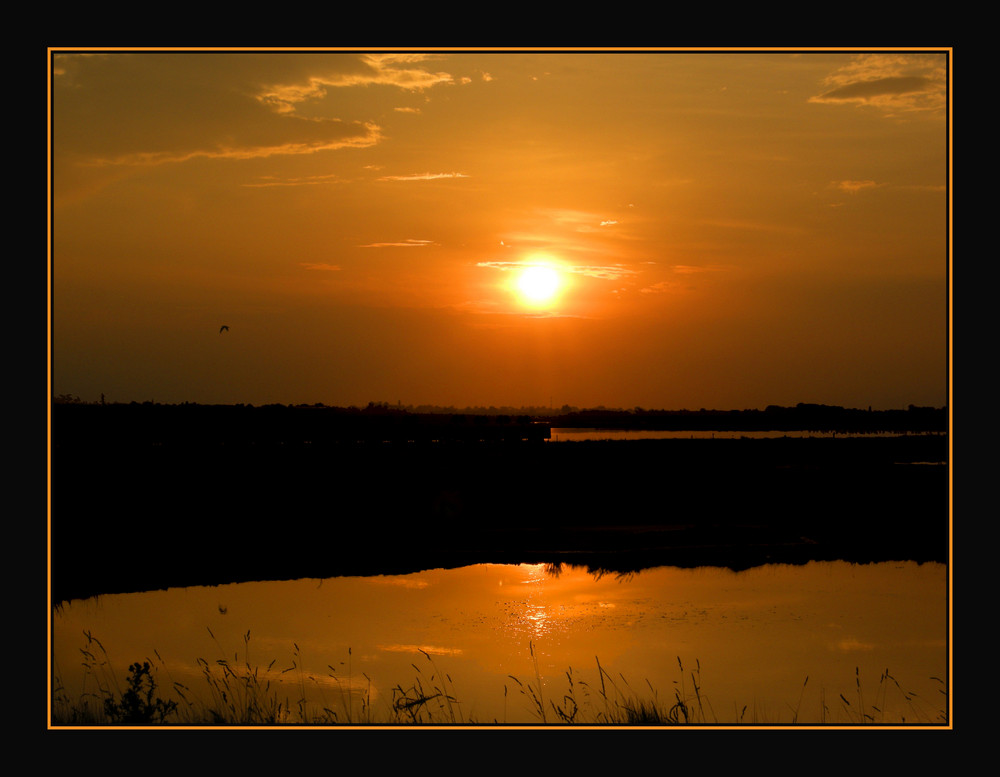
x=770 y=645
x=560 y=434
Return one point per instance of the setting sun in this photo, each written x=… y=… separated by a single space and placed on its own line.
x=538 y=284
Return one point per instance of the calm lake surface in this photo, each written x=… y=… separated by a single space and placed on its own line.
x=771 y=645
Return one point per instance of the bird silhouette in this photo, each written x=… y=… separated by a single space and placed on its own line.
x=223 y=328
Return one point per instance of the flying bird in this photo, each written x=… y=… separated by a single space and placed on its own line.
x=223 y=328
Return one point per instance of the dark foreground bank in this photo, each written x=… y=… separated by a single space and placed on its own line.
x=129 y=516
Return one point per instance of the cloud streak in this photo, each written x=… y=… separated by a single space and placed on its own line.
x=393 y=69
x=171 y=110
x=312 y=180
x=865 y=91
x=604 y=272
x=894 y=83
x=366 y=135
x=422 y=177
x=853 y=187
x=408 y=243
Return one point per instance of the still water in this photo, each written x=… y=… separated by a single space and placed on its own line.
x=584 y=435
x=771 y=645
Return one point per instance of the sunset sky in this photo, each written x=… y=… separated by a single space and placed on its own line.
x=724 y=230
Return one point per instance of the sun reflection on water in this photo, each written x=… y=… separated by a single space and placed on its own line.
x=540 y=611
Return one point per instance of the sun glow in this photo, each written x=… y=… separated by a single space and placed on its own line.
x=538 y=284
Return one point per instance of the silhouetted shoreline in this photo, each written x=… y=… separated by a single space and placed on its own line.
x=233 y=424
x=141 y=503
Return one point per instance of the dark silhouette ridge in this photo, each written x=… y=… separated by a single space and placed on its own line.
x=191 y=425
x=802 y=417
x=153 y=496
x=187 y=423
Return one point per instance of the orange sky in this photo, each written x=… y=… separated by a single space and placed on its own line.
x=732 y=229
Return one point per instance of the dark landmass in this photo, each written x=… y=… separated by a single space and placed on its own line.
x=297 y=423
x=802 y=417
x=155 y=496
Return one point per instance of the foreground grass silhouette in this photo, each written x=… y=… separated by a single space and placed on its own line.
x=240 y=694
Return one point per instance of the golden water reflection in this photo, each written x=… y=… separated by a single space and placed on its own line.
x=747 y=639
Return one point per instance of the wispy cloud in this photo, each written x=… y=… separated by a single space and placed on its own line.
x=577 y=220
x=550 y=314
x=606 y=272
x=658 y=288
x=853 y=187
x=312 y=180
x=663 y=286
x=408 y=243
x=867 y=91
x=356 y=136
x=692 y=269
x=853 y=645
x=894 y=83
x=503 y=266
x=422 y=176
x=393 y=69
x=687 y=271
x=206 y=114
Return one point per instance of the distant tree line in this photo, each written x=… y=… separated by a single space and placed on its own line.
x=151 y=422
x=142 y=424
x=802 y=417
